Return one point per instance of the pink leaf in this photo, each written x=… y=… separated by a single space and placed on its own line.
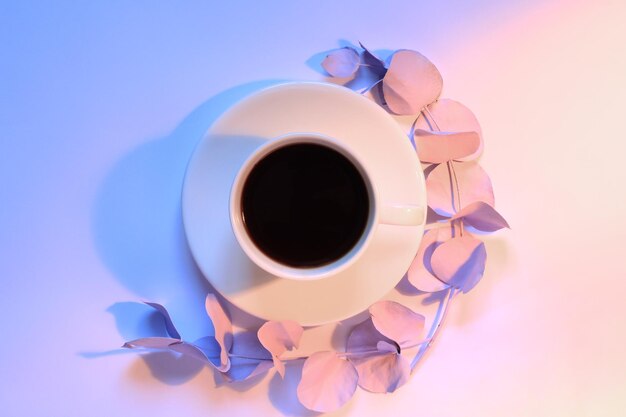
x=411 y=82
x=473 y=185
x=328 y=382
x=342 y=62
x=373 y=62
x=278 y=337
x=151 y=343
x=382 y=373
x=420 y=273
x=481 y=216
x=460 y=262
x=223 y=329
x=438 y=147
x=451 y=116
x=376 y=359
x=397 y=322
x=279 y=366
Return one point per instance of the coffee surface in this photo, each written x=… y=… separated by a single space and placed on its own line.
x=305 y=205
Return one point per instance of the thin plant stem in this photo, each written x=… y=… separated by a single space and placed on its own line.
x=432 y=119
x=340 y=354
x=458 y=195
x=454 y=182
x=442 y=311
x=412 y=130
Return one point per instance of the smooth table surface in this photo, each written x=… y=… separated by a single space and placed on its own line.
x=101 y=105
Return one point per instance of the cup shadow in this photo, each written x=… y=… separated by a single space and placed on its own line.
x=138 y=233
x=136 y=219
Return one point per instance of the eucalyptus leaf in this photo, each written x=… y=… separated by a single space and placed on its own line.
x=151 y=343
x=383 y=373
x=343 y=62
x=375 y=64
x=248 y=358
x=397 y=322
x=460 y=262
x=411 y=82
x=481 y=216
x=327 y=383
x=169 y=325
x=473 y=185
x=451 y=116
x=380 y=368
x=420 y=273
x=438 y=147
x=278 y=337
x=223 y=329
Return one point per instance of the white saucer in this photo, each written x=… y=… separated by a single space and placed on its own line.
x=301 y=107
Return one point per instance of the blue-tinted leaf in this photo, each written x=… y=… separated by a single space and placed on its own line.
x=248 y=357
x=364 y=338
x=386 y=347
x=481 y=216
x=210 y=348
x=169 y=325
x=375 y=64
x=151 y=343
x=192 y=351
x=380 y=367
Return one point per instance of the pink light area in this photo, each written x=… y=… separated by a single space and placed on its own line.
x=544 y=332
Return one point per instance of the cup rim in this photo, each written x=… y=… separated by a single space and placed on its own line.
x=259 y=257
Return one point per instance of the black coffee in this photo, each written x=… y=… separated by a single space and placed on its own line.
x=305 y=205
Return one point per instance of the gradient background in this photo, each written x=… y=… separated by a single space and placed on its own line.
x=101 y=104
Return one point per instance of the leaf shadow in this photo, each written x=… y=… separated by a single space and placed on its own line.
x=239 y=386
x=404 y=287
x=435 y=297
x=171 y=368
x=135 y=320
x=138 y=233
x=472 y=305
x=283 y=392
x=112 y=352
x=137 y=219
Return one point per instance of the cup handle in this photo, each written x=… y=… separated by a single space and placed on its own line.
x=402 y=215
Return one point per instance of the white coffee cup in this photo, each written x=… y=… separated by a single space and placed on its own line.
x=380 y=212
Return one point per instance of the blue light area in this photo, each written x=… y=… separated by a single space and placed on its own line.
x=101 y=105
